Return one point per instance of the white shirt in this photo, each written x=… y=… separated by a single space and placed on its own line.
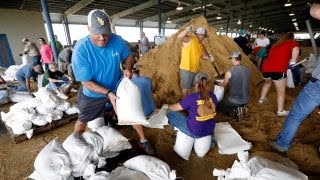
x=263 y=42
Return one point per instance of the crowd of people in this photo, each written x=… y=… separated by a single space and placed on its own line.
x=95 y=62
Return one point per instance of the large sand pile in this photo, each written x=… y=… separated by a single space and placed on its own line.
x=162 y=63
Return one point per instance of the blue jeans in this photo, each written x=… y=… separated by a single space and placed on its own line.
x=22 y=81
x=53 y=86
x=3 y=95
x=179 y=121
x=306 y=102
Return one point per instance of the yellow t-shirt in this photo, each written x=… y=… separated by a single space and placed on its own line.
x=190 y=55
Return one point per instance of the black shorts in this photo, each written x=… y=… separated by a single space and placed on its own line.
x=90 y=108
x=275 y=76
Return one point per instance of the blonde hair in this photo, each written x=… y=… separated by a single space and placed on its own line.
x=285 y=37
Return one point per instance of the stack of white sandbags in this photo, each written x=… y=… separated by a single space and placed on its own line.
x=40 y=110
x=257 y=168
x=79 y=154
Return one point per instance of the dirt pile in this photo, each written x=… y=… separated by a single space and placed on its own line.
x=162 y=63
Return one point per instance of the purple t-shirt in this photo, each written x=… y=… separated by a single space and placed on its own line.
x=199 y=125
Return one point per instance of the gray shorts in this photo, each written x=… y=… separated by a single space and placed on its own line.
x=90 y=108
x=186 y=79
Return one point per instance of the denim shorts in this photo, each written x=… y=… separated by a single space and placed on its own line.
x=90 y=108
x=186 y=79
x=178 y=120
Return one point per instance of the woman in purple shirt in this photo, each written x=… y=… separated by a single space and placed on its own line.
x=201 y=108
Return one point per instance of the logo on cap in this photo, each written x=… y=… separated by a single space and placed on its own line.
x=100 y=20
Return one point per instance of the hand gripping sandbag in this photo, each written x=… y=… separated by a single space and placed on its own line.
x=129 y=106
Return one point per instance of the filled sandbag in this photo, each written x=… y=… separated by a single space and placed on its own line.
x=48 y=98
x=41 y=119
x=202 y=145
x=96 y=141
x=262 y=168
x=95 y=124
x=183 y=145
x=290 y=82
x=129 y=105
x=123 y=173
x=63 y=105
x=80 y=153
x=19 y=121
x=72 y=110
x=56 y=114
x=113 y=140
x=16 y=96
x=10 y=73
x=30 y=103
x=219 y=92
x=53 y=162
x=153 y=167
x=159 y=119
x=228 y=140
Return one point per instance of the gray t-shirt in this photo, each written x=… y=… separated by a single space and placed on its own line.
x=239 y=85
x=65 y=55
x=316 y=71
x=145 y=45
x=32 y=49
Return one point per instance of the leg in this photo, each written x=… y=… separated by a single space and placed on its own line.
x=186 y=78
x=281 y=92
x=22 y=81
x=80 y=127
x=306 y=102
x=139 y=130
x=265 y=88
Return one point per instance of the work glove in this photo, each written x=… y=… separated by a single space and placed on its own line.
x=189 y=28
x=211 y=58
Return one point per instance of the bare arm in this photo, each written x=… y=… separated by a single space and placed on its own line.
x=183 y=36
x=205 y=54
x=294 y=54
x=129 y=65
x=176 y=107
x=226 y=79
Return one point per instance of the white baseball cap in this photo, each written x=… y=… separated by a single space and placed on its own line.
x=201 y=30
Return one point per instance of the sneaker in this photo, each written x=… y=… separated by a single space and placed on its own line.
x=146 y=146
x=73 y=90
x=61 y=95
x=278 y=148
x=282 y=113
x=262 y=100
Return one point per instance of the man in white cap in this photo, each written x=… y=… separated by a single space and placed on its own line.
x=96 y=63
x=238 y=79
x=192 y=51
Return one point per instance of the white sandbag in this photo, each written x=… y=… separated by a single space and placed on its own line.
x=40 y=78
x=80 y=153
x=129 y=105
x=102 y=175
x=228 y=140
x=153 y=167
x=63 y=105
x=265 y=169
x=96 y=123
x=10 y=73
x=159 y=119
x=53 y=162
x=96 y=141
x=56 y=114
x=290 y=82
x=111 y=137
x=30 y=103
x=219 y=91
x=16 y=96
x=202 y=145
x=183 y=145
x=43 y=109
x=123 y=173
x=41 y=119
x=122 y=145
x=48 y=98
x=19 y=121
x=72 y=110
x=89 y=171
x=26 y=59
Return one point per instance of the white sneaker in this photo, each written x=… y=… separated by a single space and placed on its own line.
x=61 y=95
x=262 y=100
x=73 y=90
x=282 y=113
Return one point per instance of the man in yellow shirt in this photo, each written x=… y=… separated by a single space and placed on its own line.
x=192 y=51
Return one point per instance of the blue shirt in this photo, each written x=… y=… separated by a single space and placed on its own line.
x=145 y=86
x=99 y=64
x=26 y=71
